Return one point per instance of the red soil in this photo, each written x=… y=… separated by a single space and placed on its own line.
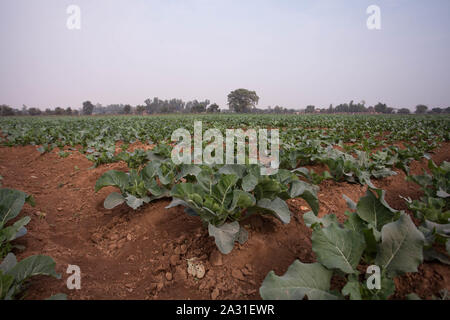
x=126 y=254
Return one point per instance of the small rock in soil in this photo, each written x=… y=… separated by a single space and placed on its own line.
x=114 y=236
x=237 y=274
x=96 y=237
x=216 y=258
x=215 y=294
x=196 y=269
x=169 y=276
x=174 y=259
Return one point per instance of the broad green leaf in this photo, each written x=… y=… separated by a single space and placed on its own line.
x=224 y=187
x=33 y=266
x=352 y=289
x=300 y=281
x=177 y=202
x=6 y=281
x=306 y=191
x=350 y=203
x=387 y=290
x=206 y=179
x=242 y=199
x=113 y=200
x=58 y=296
x=338 y=248
x=17 y=230
x=225 y=235
x=188 y=169
x=249 y=182
x=413 y=296
x=401 y=247
x=8 y=262
x=134 y=202
x=354 y=222
x=431 y=254
x=11 y=202
x=312 y=221
x=373 y=210
x=278 y=207
x=236 y=169
x=114 y=178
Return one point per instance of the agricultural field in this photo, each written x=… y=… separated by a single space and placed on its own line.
x=103 y=194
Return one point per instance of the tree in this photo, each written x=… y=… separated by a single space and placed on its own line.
x=437 y=110
x=310 y=109
x=127 y=109
x=6 y=110
x=242 y=100
x=404 y=111
x=88 y=107
x=213 y=108
x=59 y=111
x=420 y=109
x=34 y=112
x=381 y=107
x=140 y=109
x=68 y=111
x=199 y=107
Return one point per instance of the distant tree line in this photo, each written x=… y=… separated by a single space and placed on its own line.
x=58 y=111
x=239 y=101
x=378 y=108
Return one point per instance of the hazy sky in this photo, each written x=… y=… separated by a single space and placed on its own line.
x=291 y=52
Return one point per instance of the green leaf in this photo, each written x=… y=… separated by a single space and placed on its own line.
x=278 y=207
x=354 y=222
x=11 y=202
x=431 y=254
x=242 y=199
x=58 y=296
x=33 y=266
x=17 y=230
x=113 y=200
x=300 y=280
x=375 y=210
x=225 y=235
x=114 y=178
x=6 y=281
x=312 y=221
x=8 y=262
x=306 y=191
x=387 y=290
x=249 y=182
x=401 y=247
x=188 y=169
x=338 y=248
x=350 y=203
x=134 y=202
x=234 y=169
x=352 y=289
x=412 y=296
x=224 y=188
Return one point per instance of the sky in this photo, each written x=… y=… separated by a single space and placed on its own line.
x=293 y=53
